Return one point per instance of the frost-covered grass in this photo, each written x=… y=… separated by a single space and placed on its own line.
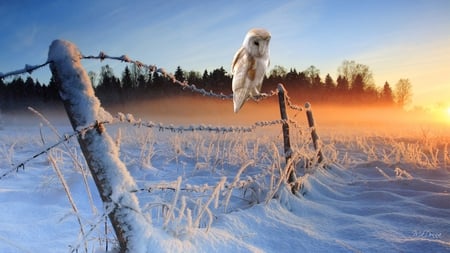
x=209 y=192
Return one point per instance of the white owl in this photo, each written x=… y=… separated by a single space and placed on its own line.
x=249 y=66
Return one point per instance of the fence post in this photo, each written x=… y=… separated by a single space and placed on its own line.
x=314 y=136
x=110 y=174
x=286 y=140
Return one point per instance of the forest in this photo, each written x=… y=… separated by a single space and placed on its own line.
x=353 y=86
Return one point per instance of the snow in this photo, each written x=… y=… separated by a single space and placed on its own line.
x=356 y=204
x=65 y=60
x=214 y=191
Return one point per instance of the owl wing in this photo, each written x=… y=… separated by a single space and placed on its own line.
x=242 y=69
x=239 y=55
x=259 y=85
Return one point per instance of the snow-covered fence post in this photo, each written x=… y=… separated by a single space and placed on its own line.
x=286 y=140
x=110 y=174
x=314 y=135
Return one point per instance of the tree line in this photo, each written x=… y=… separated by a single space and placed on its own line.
x=353 y=86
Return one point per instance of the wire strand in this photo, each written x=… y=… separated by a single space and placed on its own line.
x=63 y=139
x=184 y=84
x=129 y=118
x=27 y=69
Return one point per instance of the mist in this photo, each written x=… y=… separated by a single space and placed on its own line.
x=328 y=118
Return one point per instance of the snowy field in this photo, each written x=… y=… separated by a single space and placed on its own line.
x=221 y=192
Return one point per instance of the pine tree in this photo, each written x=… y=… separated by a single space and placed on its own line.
x=387 y=96
x=126 y=81
x=329 y=83
x=358 y=85
x=179 y=75
x=342 y=84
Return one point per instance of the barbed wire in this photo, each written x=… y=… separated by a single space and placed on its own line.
x=154 y=69
x=129 y=118
x=63 y=139
x=184 y=84
x=172 y=186
x=27 y=69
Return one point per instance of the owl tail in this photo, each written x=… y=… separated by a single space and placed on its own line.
x=239 y=98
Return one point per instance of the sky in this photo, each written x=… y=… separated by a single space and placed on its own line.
x=395 y=38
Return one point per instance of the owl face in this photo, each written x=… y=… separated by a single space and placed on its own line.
x=256 y=42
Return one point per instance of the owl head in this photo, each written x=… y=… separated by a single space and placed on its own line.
x=256 y=42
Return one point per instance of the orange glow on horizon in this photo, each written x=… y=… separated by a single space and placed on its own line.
x=441 y=114
x=330 y=119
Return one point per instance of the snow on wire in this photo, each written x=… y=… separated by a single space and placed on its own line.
x=184 y=84
x=129 y=118
x=27 y=69
x=154 y=69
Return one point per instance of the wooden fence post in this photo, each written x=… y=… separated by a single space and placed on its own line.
x=286 y=140
x=110 y=174
x=314 y=136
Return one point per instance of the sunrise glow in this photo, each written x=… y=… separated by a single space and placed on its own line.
x=441 y=114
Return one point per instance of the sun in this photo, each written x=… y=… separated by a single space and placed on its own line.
x=441 y=113
x=446 y=115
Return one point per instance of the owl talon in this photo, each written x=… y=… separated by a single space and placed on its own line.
x=260 y=96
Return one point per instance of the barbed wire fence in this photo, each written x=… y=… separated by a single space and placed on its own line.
x=121 y=117
x=130 y=119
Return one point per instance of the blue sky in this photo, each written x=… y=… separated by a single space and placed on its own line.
x=396 y=38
